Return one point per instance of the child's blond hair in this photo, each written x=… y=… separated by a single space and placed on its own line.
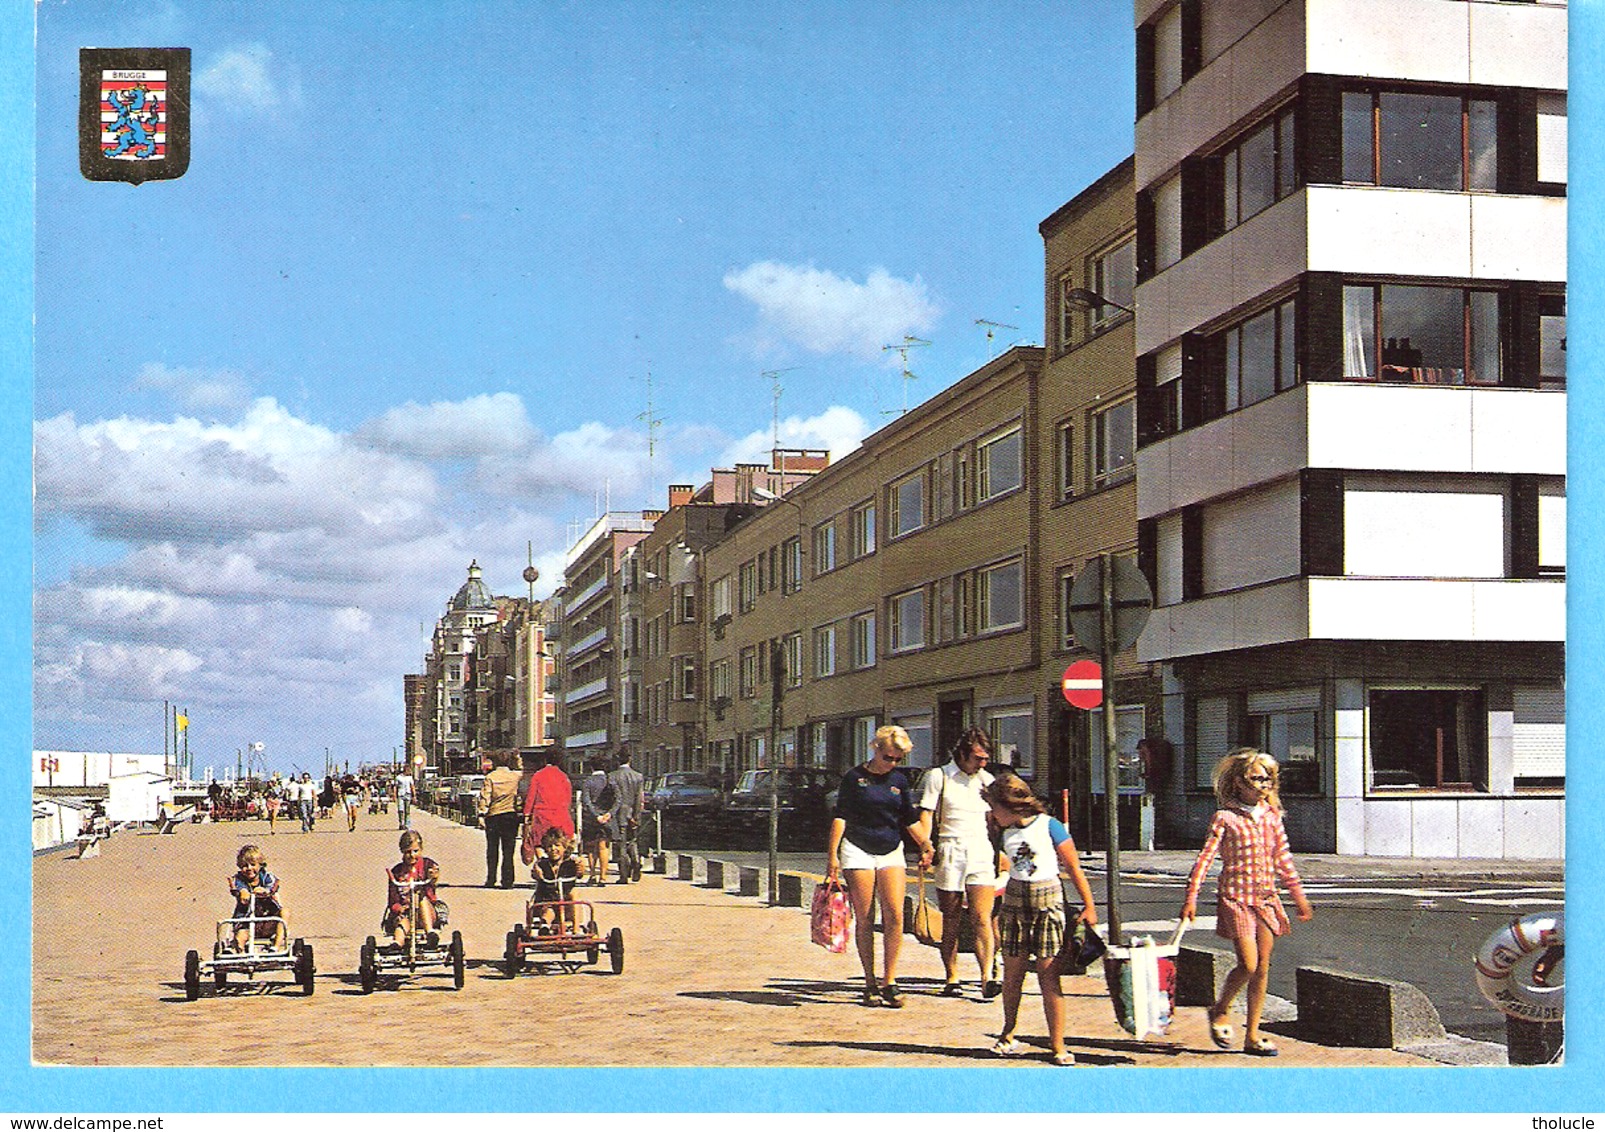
x=249 y=855
x=411 y=837
x=1231 y=775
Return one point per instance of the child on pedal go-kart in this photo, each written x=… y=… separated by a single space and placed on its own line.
x=413 y=867
x=255 y=891
x=556 y=874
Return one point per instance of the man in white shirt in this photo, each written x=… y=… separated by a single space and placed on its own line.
x=403 y=788
x=953 y=819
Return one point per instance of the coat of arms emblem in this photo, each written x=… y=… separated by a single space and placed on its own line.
x=134 y=113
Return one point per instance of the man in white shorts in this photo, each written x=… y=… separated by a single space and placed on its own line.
x=966 y=862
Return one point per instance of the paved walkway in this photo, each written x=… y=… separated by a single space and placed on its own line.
x=710 y=979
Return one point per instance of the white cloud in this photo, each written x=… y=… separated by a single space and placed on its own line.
x=828 y=314
x=196 y=389
x=479 y=426
x=838 y=429
x=246 y=78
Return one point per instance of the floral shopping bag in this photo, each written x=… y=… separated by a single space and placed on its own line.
x=830 y=921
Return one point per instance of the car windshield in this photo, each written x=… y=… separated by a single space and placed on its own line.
x=790 y=778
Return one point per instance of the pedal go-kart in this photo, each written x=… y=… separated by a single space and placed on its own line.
x=560 y=942
x=423 y=949
x=259 y=955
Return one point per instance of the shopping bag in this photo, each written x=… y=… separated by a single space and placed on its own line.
x=927 y=925
x=1142 y=983
x=830 y=920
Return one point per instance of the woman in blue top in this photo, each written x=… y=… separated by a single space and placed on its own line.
x=1038 y=851
x=874 y=805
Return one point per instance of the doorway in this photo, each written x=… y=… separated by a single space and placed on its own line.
x=952 y=721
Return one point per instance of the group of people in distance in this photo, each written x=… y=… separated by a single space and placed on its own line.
x=978 y=828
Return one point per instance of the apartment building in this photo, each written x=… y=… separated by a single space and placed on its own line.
x=1086 y=500
x=1351 y=366
x=448 y=676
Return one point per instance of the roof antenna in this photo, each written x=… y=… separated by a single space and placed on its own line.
x=774 y=378
x=991 y=326
x=653 y=423
x=909 y=342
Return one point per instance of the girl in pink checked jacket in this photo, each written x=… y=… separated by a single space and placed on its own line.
x=1253 y=848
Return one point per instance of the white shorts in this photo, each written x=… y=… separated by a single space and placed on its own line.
x=960 y=864
x=852 y=857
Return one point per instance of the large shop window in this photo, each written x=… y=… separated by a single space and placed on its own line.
x=1013 y=732
x=1413 y=140
x=1423 y=335
x=1130 y=722
x=1433 y=739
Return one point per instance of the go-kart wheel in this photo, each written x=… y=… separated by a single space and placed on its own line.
x=593 y=953
x=219 y=978
x=512 y=957
x=192 y=975
x=366 y=968
x=217 y=949
x=457 y=962
x=615 y=949
x=295 y=948
x=304 y=969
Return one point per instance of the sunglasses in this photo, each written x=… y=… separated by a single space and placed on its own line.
x=1259 y=778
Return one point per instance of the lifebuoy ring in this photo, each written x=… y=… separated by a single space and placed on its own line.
x=1539 y=995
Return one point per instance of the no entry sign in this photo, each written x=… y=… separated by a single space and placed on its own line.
x=1083 y=684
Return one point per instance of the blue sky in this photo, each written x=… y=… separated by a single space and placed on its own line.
x=401 y=311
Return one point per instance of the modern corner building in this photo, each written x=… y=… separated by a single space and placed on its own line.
x=1351 y=369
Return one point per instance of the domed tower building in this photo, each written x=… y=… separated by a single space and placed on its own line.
x=451 y=677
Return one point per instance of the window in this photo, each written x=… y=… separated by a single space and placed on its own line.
x=863 y=530
x=1258 y=171
x=1113 y=275
x=1065 y=458
x=1002 y=604
x=1283 y=725
x=792 y=651
x=685 y=603
x=1551 y=341
x=1259 y=356
x=1067 y=636
x=908 y=505
x=1130 y=724
x=1415 y=140
x=454 y=672
x=864 y=640
x=824 y=548
x=1012 y=733
x=749 y=672
x=1167 y=223
x=1167 y=54
x=999 y=458
x=719 y=679
x=919 y=731
x=1424 y=335
x=1114 y=443
x=748 y=585
x=825 y=651
x=908 y=621
x=1068 y=311
x=864 y=728
x=791 y=565
x=1434 y=739
x=685 y=678
x=721 y=597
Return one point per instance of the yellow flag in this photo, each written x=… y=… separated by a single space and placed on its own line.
x=181 y=722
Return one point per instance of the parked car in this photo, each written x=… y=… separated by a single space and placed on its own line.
x=468 y=788
x=804 y=813
x=685 y=793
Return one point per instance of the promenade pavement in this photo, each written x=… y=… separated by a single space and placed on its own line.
x=710 y=978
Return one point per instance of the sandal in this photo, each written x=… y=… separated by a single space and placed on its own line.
x=871 y=996
x=1221 y=1034
x=1008 y=1047
x=991 y=989
x=1065 y=1058
x=951 y=990
x=892 y=994
x=1260 y=1047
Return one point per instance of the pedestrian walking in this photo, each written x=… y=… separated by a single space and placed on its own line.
x=1248 y=833
x=307 y=800
x=403 y=788
x=351 y=798
x=498 y=806
x=270 y=801
x=547 y=804
x=953 y=815
x=874 y=806
x=629 y=803
x=597 y=802
x=1038 y=850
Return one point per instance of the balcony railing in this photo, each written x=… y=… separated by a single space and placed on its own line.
x=585 y=691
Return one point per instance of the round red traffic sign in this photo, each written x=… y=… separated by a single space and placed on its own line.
x=1083 y=684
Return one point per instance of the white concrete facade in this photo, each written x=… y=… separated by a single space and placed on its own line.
x=1364 y=563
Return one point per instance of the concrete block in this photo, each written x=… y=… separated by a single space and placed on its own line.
x=747 y=881
x=687 y=867
x=1344 y=1009
x=1200 y=971
x=715 y=875
x=660 y=864
x=794 y=890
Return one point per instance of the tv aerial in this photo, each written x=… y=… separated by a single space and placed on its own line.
x=990 y=327
x=774 y=379
x=909 y=343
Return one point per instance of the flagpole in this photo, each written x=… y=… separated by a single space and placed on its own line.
x=164 y=733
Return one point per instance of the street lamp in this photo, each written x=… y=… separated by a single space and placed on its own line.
x=1085 y=300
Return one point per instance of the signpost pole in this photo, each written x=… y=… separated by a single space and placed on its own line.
x=1111 y=755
